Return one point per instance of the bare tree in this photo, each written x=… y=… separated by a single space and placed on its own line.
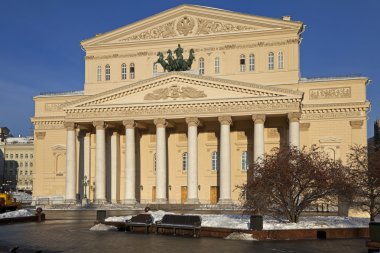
x=364 y=164
x=288 y=181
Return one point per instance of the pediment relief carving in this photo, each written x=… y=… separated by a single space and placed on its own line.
x=59 y=147
x=175 y=92
x=187 y=25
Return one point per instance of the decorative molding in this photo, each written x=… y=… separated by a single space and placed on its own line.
x=206 y=26
x=333 y=115
x=129 y=124
x=356 y=124
x=175 y=92
x=294 y=116
x=185 y=25
x=258 y=118
x=40 y=135
x=70 y=126
x=225 y=120
x=46 y=124
x=192 y=121
x=160 y=123
x=182 y=77
x=163 y=31
x=344 y=92
x=304 y=126
x=198 y=50
x=330 y=140
x=53 y=107
x=99 y=125
x=206 y=108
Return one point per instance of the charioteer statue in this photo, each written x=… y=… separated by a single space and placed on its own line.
x=176 y=64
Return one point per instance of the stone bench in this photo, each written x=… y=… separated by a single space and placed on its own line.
x=182 y=222
x=140 y=220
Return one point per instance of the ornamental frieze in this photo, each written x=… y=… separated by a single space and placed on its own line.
x=330 y=93
x=53 y=107
x=210 y=27
x=197 y=50
x=332 y=115
x=183 y=109
x=175 y=92
x=163 y=31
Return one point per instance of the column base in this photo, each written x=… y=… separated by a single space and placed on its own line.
x=225 y=202
x=161 y=201
x=129 y=201
x=85 y=201
x=100 y=201
x=192 y=201
x=70 y=201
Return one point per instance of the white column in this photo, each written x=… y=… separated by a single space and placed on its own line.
x=192 y=168
x=258 y=136
x=71 y=174
x=115 y=146
x=294 y=129
x=100 y=163
x=161 y=160
x=130 y=162
x=225 y=160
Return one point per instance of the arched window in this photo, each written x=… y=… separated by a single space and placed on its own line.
x=280 y=60
x=132 y=70
x=244 y=161
x=217 y=65
x=251 y=62
x=201 y=66
x=271 y=61
x=108 y=72
x=123 y=71
x=184 y=161
x=31 y=164
x=242 y=63
x=215 y=161
x=155 y=68
x=154 y=162
x=99 y=73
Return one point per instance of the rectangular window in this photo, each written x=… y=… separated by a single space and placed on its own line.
x=21 y=156
x=31 y=156
x=99 y=73
x=26 y=156
x=280 y=60
x=217 y=65
x=244 y=161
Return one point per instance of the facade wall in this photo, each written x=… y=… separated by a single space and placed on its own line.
x=332 y=110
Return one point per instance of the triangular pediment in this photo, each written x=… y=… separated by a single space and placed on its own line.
x=183 y=87
x=189 y=21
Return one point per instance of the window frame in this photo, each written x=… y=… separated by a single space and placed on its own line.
x=244 y=161
x=280 y=60
x=185 y=161
x=215 y=161
x=123 y=71
x=108 y=72
x=252 y=62
x=132 y=71
x=99 y=73
x=270 y=61
x=201 y=66
x=217 y=65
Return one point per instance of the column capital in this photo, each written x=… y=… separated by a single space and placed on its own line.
x=130 y=123
x=294 y=116
x=99 y=125
x=160 y=123
x=193 y=121
x=225 y=120
x=258 y=118
x=70 y=126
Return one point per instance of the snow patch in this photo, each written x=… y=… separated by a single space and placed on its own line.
x=240 y=236
x=118 y=218
x=102 y=227
x=14 y=214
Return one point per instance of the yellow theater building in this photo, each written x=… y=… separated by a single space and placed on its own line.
x=140 y=132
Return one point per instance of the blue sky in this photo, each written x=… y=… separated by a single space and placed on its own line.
x=40 y=51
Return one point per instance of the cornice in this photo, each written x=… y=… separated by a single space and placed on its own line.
x=337 y=106
x=178 y=77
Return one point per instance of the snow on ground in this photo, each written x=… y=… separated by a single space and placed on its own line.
x=22 y=197
x=14 y=214
x=237 y=221
x=102 y=227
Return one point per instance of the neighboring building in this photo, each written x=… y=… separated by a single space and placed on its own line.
x=18 y=164
x=138 y=134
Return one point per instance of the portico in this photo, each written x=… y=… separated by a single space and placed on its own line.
x=161 y=129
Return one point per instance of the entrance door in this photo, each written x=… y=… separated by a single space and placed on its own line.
x=153 y=193
x=183 y=194
x=214 y=195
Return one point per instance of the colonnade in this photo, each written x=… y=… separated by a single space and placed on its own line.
x=161 y=161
